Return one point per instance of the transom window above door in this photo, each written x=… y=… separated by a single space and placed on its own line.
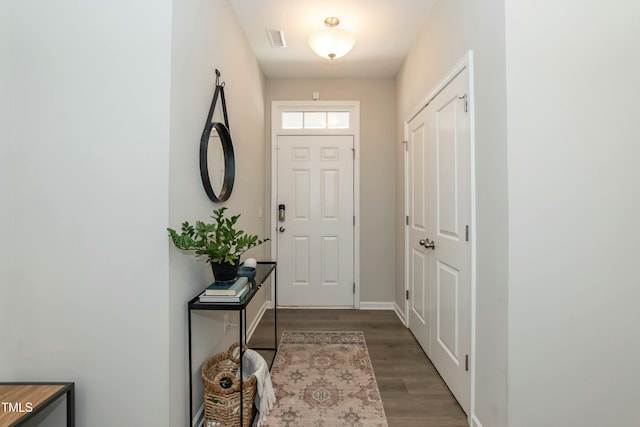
x=316 y=119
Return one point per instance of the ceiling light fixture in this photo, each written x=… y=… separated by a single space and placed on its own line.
x=331 y=43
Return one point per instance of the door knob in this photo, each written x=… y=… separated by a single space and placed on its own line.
x=429 y=244
x=281 y=229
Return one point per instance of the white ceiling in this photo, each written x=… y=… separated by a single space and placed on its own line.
x=384 y=32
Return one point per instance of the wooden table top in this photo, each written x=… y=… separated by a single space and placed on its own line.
x=29 y=396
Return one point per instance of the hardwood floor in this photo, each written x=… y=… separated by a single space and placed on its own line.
x=413 y=394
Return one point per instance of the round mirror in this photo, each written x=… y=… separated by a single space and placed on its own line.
x=217 y=162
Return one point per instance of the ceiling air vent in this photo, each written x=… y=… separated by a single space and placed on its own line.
x=276 y=37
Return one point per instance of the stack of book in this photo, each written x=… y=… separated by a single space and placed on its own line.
x=226 y=292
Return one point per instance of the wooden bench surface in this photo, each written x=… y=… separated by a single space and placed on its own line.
x=23 y=394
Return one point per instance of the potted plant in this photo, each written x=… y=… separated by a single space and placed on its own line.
x=219 y=242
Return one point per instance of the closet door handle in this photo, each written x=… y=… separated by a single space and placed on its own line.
x=429 y=244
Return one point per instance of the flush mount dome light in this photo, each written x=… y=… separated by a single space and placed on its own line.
x=331 y=43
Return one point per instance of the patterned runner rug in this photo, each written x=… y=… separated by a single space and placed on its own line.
x=325 y=379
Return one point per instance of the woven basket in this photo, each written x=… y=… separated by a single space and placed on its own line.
x=222 y=391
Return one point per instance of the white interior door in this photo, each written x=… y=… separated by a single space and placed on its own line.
x=315 y=237
x=451 y=258
x=419 y=220
x=439 y=216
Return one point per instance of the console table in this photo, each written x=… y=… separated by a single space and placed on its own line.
x=20 y=402
x=263 y=271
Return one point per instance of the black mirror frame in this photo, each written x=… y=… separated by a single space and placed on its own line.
x=229 y=162
x=227 y=148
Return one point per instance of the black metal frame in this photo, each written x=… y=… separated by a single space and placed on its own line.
x=263 y=272
x=227 y=148
x=229 y=163
x=68 y=389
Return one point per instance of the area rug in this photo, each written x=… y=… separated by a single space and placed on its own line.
x=325 y=379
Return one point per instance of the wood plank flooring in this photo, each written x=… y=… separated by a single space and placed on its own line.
x=413 y=393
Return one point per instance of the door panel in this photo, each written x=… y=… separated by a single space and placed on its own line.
x=417 y=155
x=330 y=191
x=300 y=261
x=330 y=262
x=315 y=244
x=447 y=310
x=447 y=169
x=301 y=186
x=419 y=300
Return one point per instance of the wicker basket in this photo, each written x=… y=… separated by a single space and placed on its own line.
x=222 y=391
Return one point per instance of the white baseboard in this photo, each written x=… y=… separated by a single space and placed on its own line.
x=365 y=305
x=400 y=314
x=475 y=422
x=375 y=305
x=312 y=307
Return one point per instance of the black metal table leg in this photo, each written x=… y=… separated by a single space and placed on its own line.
x=240 y=314
x=275 y=309
x=190 y=371
x=244 y=313
x=71 y=406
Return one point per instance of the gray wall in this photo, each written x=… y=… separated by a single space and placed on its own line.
x=90 y=260
x=206 y=36
x=6 y=192
x=102 y=112
x=377 y=168
x=573 y=209
x=452 y=28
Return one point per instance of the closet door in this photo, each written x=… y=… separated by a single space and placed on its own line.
x=439 y=265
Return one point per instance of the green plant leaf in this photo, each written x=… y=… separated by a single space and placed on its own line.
x=218 y=241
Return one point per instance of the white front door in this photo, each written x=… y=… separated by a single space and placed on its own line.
x=315 y=234
x=439 y=157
